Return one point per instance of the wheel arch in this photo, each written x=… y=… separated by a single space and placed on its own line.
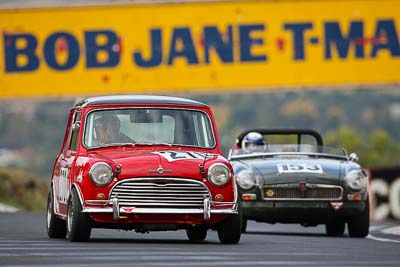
x=78 y=191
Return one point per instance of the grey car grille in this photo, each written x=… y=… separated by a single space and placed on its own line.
x=160 y=193
x=311 y=192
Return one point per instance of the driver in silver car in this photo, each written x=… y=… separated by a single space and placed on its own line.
x=253 y=141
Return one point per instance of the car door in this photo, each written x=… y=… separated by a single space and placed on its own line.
x=62 y=177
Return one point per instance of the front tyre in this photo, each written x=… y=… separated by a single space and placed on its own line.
x=56 y=227
x=358 y=225
x=244 y=225
x=196 y=233
x=78 y=223
x=230 y=230
x=335 y=227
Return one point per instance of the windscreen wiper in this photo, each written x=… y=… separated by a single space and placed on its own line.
x=154 y=144
x=114 y=144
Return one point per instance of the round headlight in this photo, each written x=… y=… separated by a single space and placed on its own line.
x=246 y=179
x=101 y=174
x=356 y=180
x=219 y=174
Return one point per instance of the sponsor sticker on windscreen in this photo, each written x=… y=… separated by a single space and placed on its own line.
x=300 y=168
x=180 y=155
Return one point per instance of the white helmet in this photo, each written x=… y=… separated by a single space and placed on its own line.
x=252 y=140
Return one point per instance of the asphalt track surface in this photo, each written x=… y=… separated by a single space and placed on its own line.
x=23 y=242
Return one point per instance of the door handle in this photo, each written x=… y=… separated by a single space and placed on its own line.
x=63 y=158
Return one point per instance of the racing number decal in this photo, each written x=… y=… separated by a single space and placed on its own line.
x=176 y=155
x=299 y=168
x=63 y=185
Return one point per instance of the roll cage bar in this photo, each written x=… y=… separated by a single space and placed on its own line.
x=298 y=132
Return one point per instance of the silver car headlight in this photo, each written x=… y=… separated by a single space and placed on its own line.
x=219 y=174
x=101 y=174
x=246 y=179
x=356 y=180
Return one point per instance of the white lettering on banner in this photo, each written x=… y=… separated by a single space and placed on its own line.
x=394 y=198
x=63 y=185
x=381 y=188
x=299 y=168
x=177 y=155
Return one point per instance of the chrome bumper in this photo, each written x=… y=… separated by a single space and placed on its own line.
x=209 y=207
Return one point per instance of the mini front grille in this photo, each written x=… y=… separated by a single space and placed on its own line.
x=310 y=192
x=160 y=193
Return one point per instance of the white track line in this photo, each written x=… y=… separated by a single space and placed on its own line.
x=382 y=239
x=392 y=230
x=6 y=208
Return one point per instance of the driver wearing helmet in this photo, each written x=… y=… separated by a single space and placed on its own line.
x=252 y=141
x=107 y=129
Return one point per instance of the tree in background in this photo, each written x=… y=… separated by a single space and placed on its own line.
x=374 y=149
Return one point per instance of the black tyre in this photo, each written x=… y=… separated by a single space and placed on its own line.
x=244 y=225
x=56 y=227
x=78 y=223
x=335 y=227
x=358 y=225
x=196 y=233
x=230 y=230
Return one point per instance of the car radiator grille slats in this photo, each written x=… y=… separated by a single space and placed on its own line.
x=161 y=193
x=309 y=193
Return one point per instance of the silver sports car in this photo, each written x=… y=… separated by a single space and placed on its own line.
x=288 y=176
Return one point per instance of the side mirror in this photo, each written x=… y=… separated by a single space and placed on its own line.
x=353 y=157
x=76 y=126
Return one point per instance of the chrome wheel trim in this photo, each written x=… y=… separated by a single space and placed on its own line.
x=49 y=213
x=70 y=216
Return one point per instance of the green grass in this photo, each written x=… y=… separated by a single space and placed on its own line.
x=23 y=190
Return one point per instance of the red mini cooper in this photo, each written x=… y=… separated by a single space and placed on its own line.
x=143 y=163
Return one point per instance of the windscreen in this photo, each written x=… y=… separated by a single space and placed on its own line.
x=284 y=149
x=148 y=126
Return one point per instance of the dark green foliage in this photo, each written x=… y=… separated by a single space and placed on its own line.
x=23 y=190
x=39 y=130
